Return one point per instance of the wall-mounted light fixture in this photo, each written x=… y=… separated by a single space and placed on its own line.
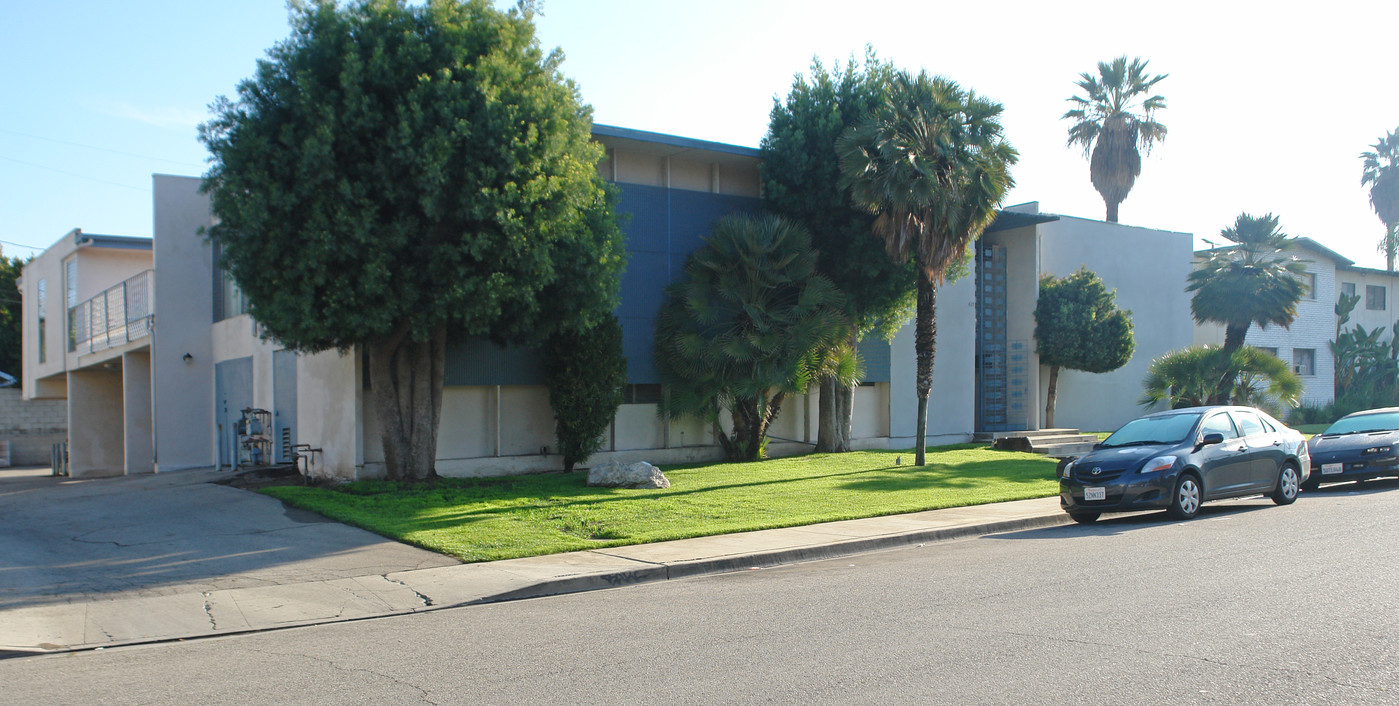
x=187 y=358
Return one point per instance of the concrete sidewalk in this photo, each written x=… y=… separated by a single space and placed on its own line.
x=92 y=621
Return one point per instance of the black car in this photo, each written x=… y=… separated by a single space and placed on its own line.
x=1358 y=446
x=1181 y=458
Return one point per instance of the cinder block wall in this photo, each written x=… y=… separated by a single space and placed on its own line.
x=32 y=427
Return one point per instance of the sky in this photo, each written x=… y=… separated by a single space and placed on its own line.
x=1268 y=106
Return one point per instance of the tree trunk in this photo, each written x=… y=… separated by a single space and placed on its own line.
x=751 y=419
x=1051 y=397
x=1112 y=211
x=925 y=344
x=1233 y=340
x=406 y=378
x=834 y=417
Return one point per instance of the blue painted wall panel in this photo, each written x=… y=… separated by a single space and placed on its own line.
x=480 y=362
x=663 y=228
x=874 y=355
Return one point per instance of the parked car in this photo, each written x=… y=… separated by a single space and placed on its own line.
x=1178 y=459
x=1357 y=446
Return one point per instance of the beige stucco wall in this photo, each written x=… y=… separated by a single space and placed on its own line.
x=952 y=402
x=183 y=390
x=1148 y=269
x=138 y=432
x=329 y=399
x=651 y=164
x=96 y=443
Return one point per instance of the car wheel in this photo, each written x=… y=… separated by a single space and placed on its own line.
x=1085 y=518
x=1286 y=490
x=1185 y=501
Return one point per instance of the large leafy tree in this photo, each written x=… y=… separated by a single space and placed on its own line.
x=934 y=165
x=11 y=318
x=1381 y=174
x=1078 y=326
x=745 y=327
x=801 y=180
x=396 y=175
x=1113 y=119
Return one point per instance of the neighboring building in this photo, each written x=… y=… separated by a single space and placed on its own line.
x=207 y=363
x=1306 y=344
x=87 y=325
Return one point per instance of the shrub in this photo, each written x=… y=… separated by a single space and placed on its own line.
x=585 y=372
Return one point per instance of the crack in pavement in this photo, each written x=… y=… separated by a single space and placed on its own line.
x=422 y=693
x=427 y=600
x=209 y=611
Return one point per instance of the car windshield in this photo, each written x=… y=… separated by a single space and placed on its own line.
x=1384 y=421
x=1168 y=429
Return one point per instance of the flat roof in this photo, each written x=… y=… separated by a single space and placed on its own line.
x=657 y=138
x=116 y=242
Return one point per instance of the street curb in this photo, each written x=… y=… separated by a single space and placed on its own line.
x=618 y=579
x=780 y=557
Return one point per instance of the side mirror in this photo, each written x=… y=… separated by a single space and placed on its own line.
x=1212 y=438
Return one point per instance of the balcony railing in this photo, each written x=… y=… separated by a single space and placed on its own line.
x=121 y=314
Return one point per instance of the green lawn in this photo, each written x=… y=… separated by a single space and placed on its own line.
x=517 y=516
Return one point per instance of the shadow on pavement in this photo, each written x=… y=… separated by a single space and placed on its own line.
x=63 y=539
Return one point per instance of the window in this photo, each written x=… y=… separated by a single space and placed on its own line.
x=1272 y=351
x=1309 y=281
x=641 y=394
x=43 y=290
x=70 y=300
x=1304 y=361
x=1218 y=424
x=1348 y=289
x=234 y=303
x=1374 y=297
x=1249 y=423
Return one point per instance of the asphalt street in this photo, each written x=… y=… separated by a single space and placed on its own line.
x=1247 y=604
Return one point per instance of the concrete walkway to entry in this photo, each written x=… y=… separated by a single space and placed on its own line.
x=98 y=563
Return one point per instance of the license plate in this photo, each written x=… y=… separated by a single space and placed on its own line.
x=1095 y=493
x=1329 y=469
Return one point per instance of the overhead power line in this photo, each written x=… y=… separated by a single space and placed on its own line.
x=101 y=149
x=74 y=174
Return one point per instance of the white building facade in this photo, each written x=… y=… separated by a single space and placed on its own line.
x=206 y=365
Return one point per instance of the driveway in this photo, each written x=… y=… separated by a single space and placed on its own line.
x=65 y=540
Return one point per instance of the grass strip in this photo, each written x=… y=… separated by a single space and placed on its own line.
x=486 y=519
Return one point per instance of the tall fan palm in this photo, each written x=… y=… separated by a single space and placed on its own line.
x=933 y=164
x=1382 y=175
x=1112 y=119
x=1256 y=281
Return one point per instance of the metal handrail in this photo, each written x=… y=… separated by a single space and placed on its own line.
x=119 y=315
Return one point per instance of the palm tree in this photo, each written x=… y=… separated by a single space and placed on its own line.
x=1188 y=377
x=747 y=325
x=1382 y=175
x=1112 y=119
x=1255 y=281
x=933 y=165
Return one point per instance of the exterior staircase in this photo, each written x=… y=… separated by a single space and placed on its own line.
x=1058 y=443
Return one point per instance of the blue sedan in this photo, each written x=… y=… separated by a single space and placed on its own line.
x=1357 y=447
x=1178 y=459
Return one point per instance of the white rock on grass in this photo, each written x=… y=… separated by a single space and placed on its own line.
x=631 y=475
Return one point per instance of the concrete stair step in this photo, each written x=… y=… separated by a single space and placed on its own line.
x=1066 y=450
x=1042 y=441
x=994 y=435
